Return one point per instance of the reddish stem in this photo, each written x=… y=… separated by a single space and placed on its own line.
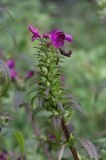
x=66 y=133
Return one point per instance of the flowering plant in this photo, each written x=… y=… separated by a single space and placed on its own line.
x=46 y=92
x=50 y=94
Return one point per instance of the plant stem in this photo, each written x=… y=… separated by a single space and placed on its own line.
x=66 y=133
x=37 y=132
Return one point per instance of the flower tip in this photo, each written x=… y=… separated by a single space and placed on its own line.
x=45 y=35
x=30 y=27
x=33 y=38
x=71 y=38
x=34 y=31
x=68 y=37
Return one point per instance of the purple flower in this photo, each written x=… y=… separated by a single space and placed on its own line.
x=58 y=38
x=10 y=63
x=52 y=137
x=13 y=74
x=62 y=78
x=45 y=35
x=29 y=74
x=3 y=156
x=34 y=31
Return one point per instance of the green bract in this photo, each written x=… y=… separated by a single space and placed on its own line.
x=49 y=88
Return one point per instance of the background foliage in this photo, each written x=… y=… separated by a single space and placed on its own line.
x=85 y=71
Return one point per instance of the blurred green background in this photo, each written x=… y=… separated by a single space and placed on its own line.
x=84 y=71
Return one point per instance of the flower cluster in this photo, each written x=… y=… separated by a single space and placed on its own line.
x=11 y=65
x=13 y=73
x=57 y=37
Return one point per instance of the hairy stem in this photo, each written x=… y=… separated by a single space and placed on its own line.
x=37 y=132
x=66 y=133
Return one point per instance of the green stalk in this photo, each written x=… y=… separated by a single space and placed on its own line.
x=50 y=92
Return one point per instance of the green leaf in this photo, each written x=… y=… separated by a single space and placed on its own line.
x=100 y=88
x=4 y=78
x=21 y=141
x=36 y=110
x=101 y=142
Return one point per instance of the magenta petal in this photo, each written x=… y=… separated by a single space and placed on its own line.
x=32 y=29
x=29 y=74
x=57 y=38
x=13 y=74
x=68 y=37
x=10 y=63
x=58 y=43
x=45 y=35
x=33 y=38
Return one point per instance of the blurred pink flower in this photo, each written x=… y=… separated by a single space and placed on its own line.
x=29 y=73
x=10 y=63
x=62 y=78
x=13 y=74
x=3 y=155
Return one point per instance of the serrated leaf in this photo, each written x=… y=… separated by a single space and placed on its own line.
x=89 y=148
x=72 y=98
x=75 y=105
x=21 y=141
x=61 y=107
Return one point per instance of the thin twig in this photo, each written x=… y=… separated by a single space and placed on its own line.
x=37 y=131
x=61 y=152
